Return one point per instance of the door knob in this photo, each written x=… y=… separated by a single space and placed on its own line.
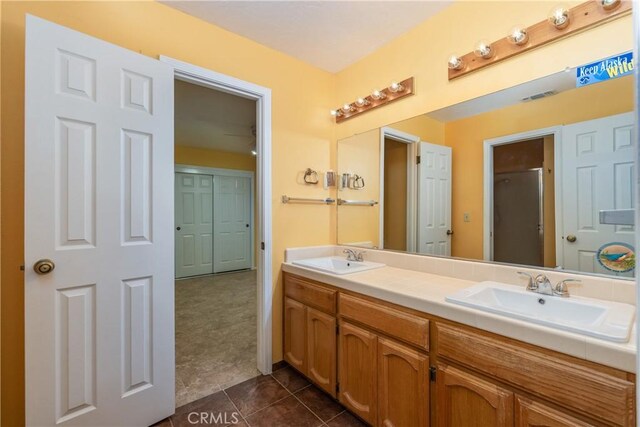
x=178 y=228
x=44 y=266
x=571 y=238
x=247 y=225
x=449 y=232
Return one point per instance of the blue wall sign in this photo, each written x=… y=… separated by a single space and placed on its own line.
x=606 y=69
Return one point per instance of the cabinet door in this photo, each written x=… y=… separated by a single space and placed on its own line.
x=403 y=385
x=466 y=400
x=295 y=334
x=357 y=371
x=321 y=350
x=535 y=414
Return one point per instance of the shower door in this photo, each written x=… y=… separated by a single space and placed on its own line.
x=518 y=217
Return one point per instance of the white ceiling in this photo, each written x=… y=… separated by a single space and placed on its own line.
x=328 y=34
x=207 y=118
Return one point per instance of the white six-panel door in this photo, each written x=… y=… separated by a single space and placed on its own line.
x=232 y=223
x=99 y=204
x=434 y=199
x=194 y=224
x=597 y=174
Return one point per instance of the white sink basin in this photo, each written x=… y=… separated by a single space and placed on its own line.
x=337 y=265
x=607 y=320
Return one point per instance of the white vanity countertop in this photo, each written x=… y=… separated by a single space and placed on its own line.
x=426 y=292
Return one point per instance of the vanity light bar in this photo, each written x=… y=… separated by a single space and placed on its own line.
x=561 y=23
x=378 y=98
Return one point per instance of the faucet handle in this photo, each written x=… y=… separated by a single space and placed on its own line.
x=562 y=288
x=532 y=285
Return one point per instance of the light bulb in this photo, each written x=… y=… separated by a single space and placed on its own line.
x=334 y=113
x=610 y=5
x=518 y=36
x=361 y=102
x=377 y=94
x=347 y=108
x=455 y=62
x=483 y=49
x=559 y=17
x=396 y=87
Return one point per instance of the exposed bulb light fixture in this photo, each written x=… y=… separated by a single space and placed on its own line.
x=254 y=153
x=483 y=50
x=378 y=94
x=455 y=62
x=396 y=87
x=397 y=90
x=518 y=36
x=610 y=5
x=362 y=102
x=559 y=17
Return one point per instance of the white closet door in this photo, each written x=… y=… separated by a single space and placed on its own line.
x=194 y=224
x=597 y=174
x=434 y=199
x=99 y=328
x=232 y=223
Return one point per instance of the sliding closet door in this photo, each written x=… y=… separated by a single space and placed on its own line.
x=194 y=224
x=232 y=223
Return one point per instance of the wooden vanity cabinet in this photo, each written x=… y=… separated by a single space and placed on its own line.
x=310 y=332
x=530 y=413
x=357 y=371
x=464 y=399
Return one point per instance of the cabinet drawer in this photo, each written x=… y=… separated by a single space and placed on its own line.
x=571 y=384
x=406 y=327
x=310 y=294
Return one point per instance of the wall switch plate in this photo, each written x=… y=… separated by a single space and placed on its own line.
x=467 y=217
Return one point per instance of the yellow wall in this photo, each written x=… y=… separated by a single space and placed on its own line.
x=360 y=154
x=194 y=156
x=395 y=195
x=423 y=51
x=428 y=129
x=302 y=137
x=466 y=137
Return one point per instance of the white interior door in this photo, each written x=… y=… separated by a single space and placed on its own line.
x=232 y=223
x=194 y=224
x=597 y=174
x=434 y=199
x=98 y=203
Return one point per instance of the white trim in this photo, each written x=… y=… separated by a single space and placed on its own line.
x=412 y=182
x=207 y=78
x=487 y=200
x=203 y=170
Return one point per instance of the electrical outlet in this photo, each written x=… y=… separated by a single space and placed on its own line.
x=467 y=217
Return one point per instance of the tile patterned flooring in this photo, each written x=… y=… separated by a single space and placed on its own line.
x=215 y=333
x=281 y=399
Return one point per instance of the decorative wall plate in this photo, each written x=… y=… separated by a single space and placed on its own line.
x=617 y=257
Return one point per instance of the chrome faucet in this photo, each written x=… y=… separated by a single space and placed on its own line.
x=353 y=255
x=542 y=285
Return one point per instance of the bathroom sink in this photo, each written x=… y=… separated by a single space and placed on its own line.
x=337 y=265
x=607 y=320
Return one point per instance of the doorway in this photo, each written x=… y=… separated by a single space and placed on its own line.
x=215 y=287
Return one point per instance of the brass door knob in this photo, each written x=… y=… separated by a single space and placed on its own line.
x=571 y=238
x=44 y=266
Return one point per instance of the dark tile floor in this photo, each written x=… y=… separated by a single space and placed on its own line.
x=282 y=399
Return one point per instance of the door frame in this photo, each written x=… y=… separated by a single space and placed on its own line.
x=412 y=184
x=202 y=170
x=203 y=77
x=487 y=199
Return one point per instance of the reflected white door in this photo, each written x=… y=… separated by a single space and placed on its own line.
x=232 y=223
x=99 y=203
x=597 y=174
x=434 y=199
x=194 y=224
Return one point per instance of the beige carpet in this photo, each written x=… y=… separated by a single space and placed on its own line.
x=215 y=333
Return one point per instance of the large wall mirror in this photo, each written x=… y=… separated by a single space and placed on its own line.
x=519 y=176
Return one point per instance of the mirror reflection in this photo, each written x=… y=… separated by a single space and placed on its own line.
x=519 y=176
